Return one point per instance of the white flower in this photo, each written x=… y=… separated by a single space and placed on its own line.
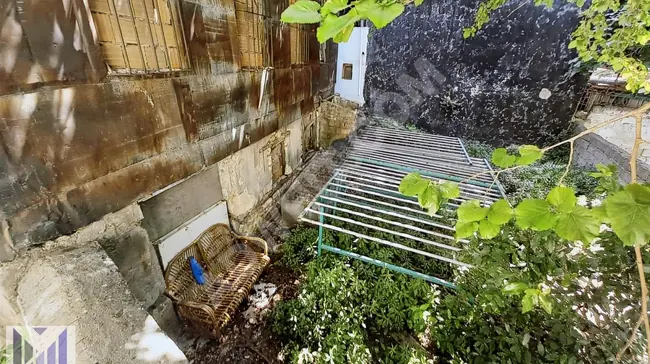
x=596 y=202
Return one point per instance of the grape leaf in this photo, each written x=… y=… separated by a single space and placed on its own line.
x=630 y=220
x=579 y=224
x=465 y=229
x=302 y=12
x=488 y=230
x=430 y=198
x=515 y=288
x=449 y=190
x=600 y=213
x=471 y=211
x=418 y=2
x=333 y=25
x=333 y=6
x=500 y=212
x=413 y=184
x=640 y=193
x=502 y=159
x=535 y=214
x=528 y=154
x=344 y=35
x=379 y=14
x=563 y=198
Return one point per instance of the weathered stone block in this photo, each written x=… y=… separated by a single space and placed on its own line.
x=64 y=284
x=138 y=263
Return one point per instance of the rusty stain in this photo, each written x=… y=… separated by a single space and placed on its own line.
x=132 y=136
x=184 y=99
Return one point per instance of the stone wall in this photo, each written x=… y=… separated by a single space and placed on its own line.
x=512 y=83
x=612 y=144
x=621 y=133
x=337 y=120
x=78 y=141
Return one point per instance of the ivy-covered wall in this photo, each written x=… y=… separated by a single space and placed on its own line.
x=512 y=83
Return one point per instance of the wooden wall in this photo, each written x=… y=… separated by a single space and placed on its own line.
x=78 y=141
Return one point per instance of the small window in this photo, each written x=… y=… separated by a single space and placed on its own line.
x=251 y=29
x=139 y=36
x=347 y=71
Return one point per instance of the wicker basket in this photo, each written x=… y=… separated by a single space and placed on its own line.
x=232 y=264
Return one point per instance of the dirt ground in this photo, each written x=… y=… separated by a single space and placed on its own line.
x=245 y=340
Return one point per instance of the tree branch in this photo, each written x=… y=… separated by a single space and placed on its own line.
x=637 y=113
x=638 y=140
x=568 y=165
x=630 y=341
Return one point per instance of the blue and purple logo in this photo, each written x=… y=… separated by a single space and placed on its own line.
x=41 y=345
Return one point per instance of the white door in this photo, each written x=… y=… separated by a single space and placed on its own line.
x=351 y=66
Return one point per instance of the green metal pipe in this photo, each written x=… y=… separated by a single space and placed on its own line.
x=320 y=232
x=392 y=267
x=425 y=173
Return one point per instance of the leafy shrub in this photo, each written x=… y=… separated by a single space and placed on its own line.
x=484 y=323
x=478 y=149
x=299 y=248
x=341 y=306
x=537 y=180
x=5 y=354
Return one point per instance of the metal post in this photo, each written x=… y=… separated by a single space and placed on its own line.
x=469 y=160
x=320 y=231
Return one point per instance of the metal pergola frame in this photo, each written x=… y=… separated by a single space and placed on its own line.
x=365 y=187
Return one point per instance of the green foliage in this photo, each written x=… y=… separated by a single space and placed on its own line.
x=528 y=154
x=339 y=27
x=610 y=32
x=535 y=214
x=380 y=14
x=537 y=180
x=486 y=220
x=607 y=178
x=431 y=195
x=557 y=286
x=341 y=307
x=302 y=12
x=5 y=355
x=477 y=149
x=299 y=248
x=501 y=158
x=500 y=212
x=627 y=210
x=629 y=213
